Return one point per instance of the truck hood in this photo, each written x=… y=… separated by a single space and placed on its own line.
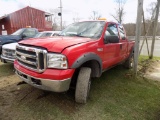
x=9 y=39
x=11 y=46
x=55 y=44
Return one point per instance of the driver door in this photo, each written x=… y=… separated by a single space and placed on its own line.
x=111 y=50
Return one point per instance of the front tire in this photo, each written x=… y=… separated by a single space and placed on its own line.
x=83 y=85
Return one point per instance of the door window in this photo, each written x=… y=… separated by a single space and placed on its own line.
x=111 y=30
x=111 y=34
x=121 y=32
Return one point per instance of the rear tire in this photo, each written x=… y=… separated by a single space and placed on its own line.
x=83 y=85
x=129 y=62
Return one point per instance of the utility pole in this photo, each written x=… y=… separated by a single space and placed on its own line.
x=138 y=34
x=155 y=28
x=61 y=12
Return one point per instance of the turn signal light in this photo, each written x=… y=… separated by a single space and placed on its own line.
x=102 y=19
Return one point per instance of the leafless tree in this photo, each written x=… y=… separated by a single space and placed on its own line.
x=76 y=17
x=151 y=9
x=55 y=19
x=95 y=15
x=119 y=15
x=64 y=24
x=130 y=29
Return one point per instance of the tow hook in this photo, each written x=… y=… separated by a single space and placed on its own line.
x=20 y=83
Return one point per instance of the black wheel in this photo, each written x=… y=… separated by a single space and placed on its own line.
x=129 y=62
x=83 y=85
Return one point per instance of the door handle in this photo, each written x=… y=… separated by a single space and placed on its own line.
x=120 y=46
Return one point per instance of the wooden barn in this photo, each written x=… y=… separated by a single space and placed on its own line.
x=27 y=16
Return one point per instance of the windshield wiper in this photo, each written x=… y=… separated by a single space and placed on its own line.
x=80 y=36
x=77 y=35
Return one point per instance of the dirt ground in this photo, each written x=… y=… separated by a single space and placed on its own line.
x=150 y=69
x=13 y=93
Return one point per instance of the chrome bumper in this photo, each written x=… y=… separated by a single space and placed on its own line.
x=45 y=84
x=5 y=59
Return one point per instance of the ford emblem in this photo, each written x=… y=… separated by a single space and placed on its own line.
x=23 y=57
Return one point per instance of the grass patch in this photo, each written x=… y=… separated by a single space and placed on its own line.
x=143 y=58
x=123 y=97
x=116 y=95
x=6 y=69
x=146 y=64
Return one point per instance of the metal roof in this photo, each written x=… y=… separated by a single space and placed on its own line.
x=48 y=14
x=3 y=16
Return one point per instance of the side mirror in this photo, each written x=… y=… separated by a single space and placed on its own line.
x=111 y=39
x=123 y=38
x=24 y=35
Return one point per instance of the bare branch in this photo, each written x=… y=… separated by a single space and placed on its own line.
x=76 y=17
x=95 y=15
x=114 y=17
x=119 y=15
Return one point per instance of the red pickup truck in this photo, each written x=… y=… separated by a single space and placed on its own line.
x=82 y=51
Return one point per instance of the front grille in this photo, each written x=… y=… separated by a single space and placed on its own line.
x=8 y=53
x=31 y=58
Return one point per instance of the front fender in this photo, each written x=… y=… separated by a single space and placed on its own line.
x=87 y=57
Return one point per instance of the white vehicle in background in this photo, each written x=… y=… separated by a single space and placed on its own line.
x=47 y=34
x=8 y=51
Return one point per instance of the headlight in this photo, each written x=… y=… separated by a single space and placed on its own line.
x=4 y=52
x=56 y=61
x=14 y=54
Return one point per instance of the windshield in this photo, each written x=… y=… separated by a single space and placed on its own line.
x=18 y=32
x=42 y=34
x=89 y=29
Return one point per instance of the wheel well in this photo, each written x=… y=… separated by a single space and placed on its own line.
x=95 y=67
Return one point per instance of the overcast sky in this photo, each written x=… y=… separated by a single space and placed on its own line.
x=82 y=8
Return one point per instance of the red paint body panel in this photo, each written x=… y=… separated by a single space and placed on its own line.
x=52 y=74
x=56 y=44
x=74 y=52
x=74 y=47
